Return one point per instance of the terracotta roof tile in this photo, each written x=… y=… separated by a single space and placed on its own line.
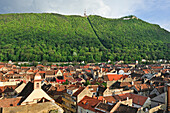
x=112 y=77
x=137 y=99
x=89 y=103
x=9 y=102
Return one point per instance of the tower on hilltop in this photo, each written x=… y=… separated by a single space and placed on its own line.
x=85 y=15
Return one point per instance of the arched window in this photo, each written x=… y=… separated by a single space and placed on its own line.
x=37 y=85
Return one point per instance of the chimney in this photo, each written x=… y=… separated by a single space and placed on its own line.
x=104 y=101
x=3 y=95
x=127 y=98
x=132 y=82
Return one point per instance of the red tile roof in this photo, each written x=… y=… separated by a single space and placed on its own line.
x=9 y=102
x=157 y=67
x=146 y=71
x=84 y=66
x=25 y=67
x=89 y=103
x=137 y=99
x=110 y=99
x=89 y=71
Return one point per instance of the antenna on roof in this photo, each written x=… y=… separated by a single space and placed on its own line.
x=85 y=15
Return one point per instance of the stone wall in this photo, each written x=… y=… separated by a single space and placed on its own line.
x=34 y=108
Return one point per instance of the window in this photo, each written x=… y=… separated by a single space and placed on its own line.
x=73 y=106
x=37 y=85
x=11 y=104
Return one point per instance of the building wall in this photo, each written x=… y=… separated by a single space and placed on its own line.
x=109 y=83
x=123 y=92
x=82 y=110
x=85 y=92
x=154 y=91
x=147 y=103
x=59 y=73
x=110 y=92
x=68 y=103
x=9 y=83
x=156 y=108
x=127 y=102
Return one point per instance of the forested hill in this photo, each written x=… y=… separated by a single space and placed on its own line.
x=54 y=37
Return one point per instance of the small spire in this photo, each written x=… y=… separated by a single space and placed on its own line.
x=37 y=76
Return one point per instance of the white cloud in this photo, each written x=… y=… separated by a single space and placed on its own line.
x=107 y=8
x=148 y=10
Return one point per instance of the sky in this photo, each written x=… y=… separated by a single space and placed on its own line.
x=153 y=11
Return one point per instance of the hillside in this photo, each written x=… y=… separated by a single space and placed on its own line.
x=54 y=37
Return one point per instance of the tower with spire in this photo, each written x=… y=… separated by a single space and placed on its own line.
x=37 y=94
x=37 y=81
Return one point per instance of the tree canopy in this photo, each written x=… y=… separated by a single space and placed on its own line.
x=55 y=37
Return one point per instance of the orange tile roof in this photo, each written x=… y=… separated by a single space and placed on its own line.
x=89 y=71
x=142 y=86
x=100 y=97
x=35 y=71
x=40 y=65
x=41 y=71
x=1 y=66
x=112 y=77
x=30 y=71
x=11 y=72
